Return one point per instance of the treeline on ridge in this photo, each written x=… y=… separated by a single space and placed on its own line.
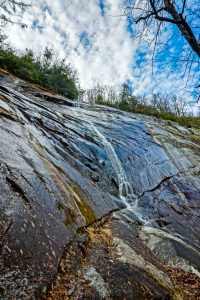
x=45 y=69
x=57 y=76
x=164 y=106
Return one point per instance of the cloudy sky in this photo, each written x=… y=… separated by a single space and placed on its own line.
x=93 y=37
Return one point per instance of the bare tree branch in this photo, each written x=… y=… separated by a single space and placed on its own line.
x=183 y=8
x=183 y=26
x=153 y=16
x=8 y=7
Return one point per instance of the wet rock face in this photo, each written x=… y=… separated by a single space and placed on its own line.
x=64 y=166
x=44 y=197
x=116 y=263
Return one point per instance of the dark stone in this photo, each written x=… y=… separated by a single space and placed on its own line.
x=59 y=171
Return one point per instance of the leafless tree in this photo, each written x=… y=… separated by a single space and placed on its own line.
x=184 y=14
x=160 y=102
x=170 y=103
x=100 y=93
x=8 y=13
x=152 y=18
x=9 y=7
x=179 y=106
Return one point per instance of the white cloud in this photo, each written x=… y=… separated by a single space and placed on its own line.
x=107 y=59
x=107 y=53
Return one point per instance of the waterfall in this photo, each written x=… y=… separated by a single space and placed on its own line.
x=126 y=193
x=125 y=189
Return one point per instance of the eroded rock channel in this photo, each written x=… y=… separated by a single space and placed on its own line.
x=95 y=203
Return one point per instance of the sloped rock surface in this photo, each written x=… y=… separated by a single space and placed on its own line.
x=63 y=167
x=118 y=262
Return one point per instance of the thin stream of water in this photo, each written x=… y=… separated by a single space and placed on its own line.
x=125 y=189
x=126 y=193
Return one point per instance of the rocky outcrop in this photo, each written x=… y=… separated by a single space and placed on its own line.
x=117 y=195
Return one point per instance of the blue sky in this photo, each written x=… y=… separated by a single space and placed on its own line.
x=99 y=43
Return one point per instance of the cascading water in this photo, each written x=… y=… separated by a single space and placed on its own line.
x=126 y=193
x=125 y=188
x=132 y=210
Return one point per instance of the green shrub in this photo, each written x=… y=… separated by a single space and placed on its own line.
x=47 y=71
